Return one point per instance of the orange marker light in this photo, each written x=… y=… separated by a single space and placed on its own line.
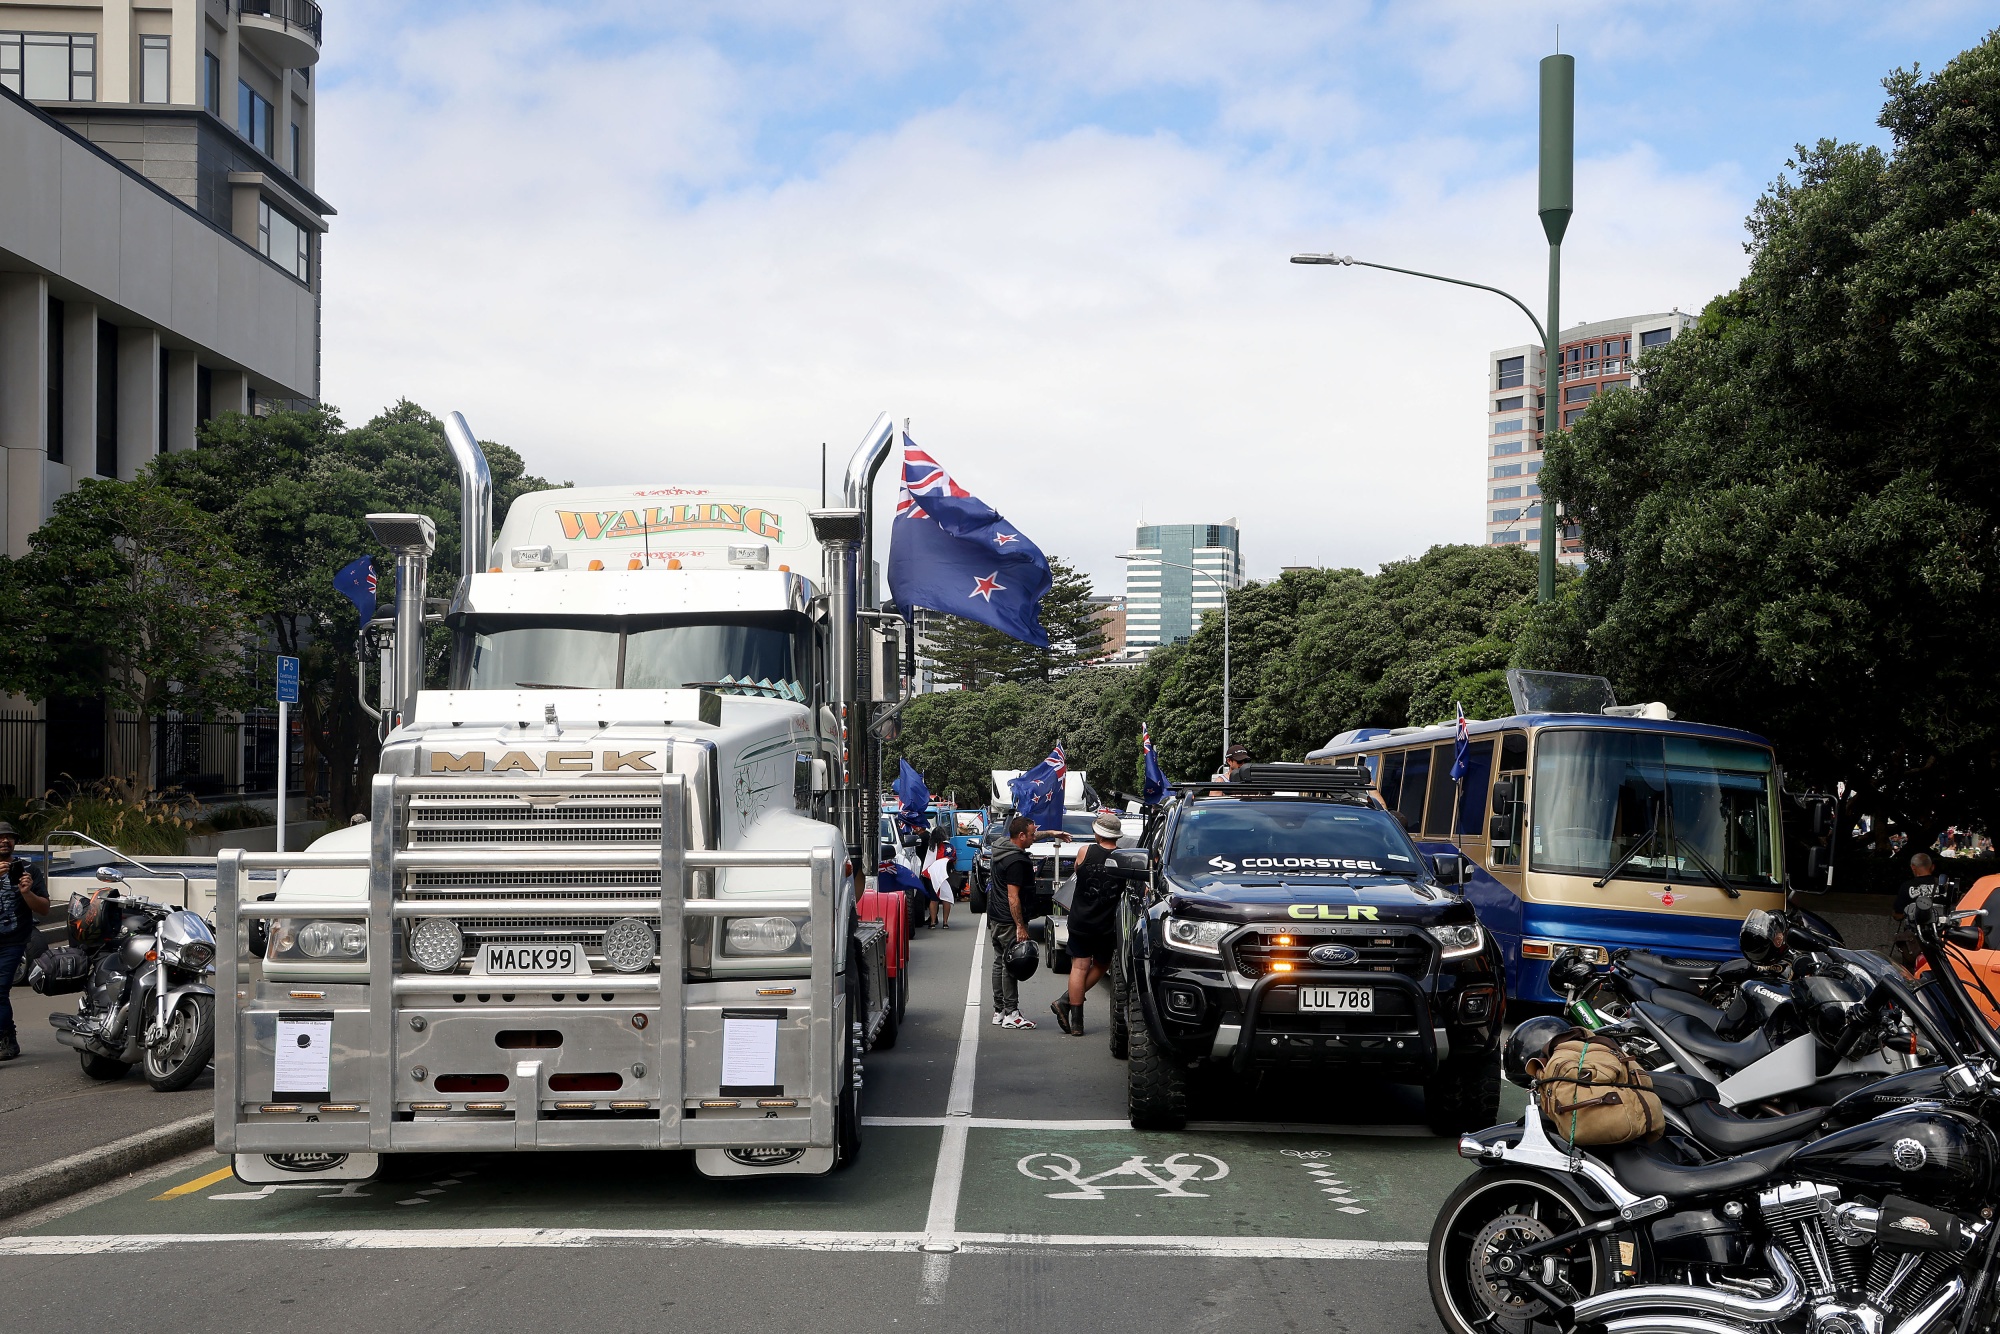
x=493 y=569
x=784 y=569
x=1281 y=968
x=633 y=564
x=597 y=565
x=673 y=563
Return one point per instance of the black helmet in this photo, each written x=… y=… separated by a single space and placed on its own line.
x=1022 y=960
x=1531 y=1041
x=1762 y=938
x=1571 y=969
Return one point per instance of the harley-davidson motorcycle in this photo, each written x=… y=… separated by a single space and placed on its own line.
x=1882 y=1222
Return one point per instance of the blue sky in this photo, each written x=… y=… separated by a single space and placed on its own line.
x=690 y=242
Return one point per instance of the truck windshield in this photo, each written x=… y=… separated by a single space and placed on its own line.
x=1263 y=838
x=545 y=653
x=1668 y=806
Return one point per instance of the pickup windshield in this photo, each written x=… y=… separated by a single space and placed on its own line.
x=1288 y=839
x=546 y=653
x=1684 y=804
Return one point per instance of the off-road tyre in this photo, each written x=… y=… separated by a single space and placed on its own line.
x=1156 y=1084
x=892 y=1011
x=185 y=1049
x=102 y=1067
x=1464 y=1094
x=1121 y=1031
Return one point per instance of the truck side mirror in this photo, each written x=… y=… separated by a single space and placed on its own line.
x=1131 y=864
x=1449 y=867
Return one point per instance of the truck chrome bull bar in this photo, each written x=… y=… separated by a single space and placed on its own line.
x=387 y=982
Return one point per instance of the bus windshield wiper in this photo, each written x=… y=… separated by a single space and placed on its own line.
x=1645 y=841
x=1708 y=868
x=550 y=685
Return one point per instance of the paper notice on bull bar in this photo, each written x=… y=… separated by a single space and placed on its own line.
x=302 y=1065
x=750 y=1052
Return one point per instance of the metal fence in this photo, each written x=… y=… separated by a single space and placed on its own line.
x=191 y=755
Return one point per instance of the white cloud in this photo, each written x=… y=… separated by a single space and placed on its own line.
x=582 y=249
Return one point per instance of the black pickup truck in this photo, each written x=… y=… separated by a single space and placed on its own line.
x=1286 y=919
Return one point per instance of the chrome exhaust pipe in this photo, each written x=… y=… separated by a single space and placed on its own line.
x=475 y=496
x=1661 y=1322
x=1924 y=1316
x=1791 y=1295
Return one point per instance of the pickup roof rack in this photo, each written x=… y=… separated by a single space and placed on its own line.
x=1270 y=779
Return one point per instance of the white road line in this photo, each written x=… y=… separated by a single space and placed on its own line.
x=941 y=1224
x=1213 y=1127
x=994 y=1123
x=404 y=1239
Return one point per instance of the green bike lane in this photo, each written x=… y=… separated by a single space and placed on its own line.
x=1044 y=1159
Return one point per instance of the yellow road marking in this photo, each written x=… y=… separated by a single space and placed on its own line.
x=190 y=1187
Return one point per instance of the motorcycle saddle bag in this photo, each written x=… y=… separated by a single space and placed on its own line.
x=1593 y=1094
x=60 y=970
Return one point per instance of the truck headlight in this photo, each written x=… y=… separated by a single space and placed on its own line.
x=1198 y=937
x=763 y=935
x=292 y=938
x=436 y=944
x=1458 y=939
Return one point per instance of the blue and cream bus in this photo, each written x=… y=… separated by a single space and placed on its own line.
x=1589 y=830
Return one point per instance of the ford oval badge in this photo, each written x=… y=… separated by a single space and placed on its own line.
x=1332 y=954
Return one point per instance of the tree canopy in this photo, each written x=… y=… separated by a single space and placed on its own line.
x=1795 y=528
x=970 y=655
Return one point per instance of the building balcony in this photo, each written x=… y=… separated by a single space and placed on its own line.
x=285 y=33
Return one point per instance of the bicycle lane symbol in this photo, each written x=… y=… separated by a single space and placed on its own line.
x=1166 y=1179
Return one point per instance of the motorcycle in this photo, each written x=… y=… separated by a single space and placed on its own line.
x=142 y=969
x=1883 y=1225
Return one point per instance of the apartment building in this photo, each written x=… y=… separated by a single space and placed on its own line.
x=160 y=256
x=1177 y=573
x=1595 y=358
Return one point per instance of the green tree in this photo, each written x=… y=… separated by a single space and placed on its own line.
x=292 y=491
x=130 y=593
x=974 y=655
x=1795 y=528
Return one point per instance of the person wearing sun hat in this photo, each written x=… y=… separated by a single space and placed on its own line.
x=1093 y=920
x=24 y=891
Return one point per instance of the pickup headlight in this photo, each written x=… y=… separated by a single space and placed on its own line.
x=342 y=942
x=1196 y=937
x=765 y=936
x=1459 y=940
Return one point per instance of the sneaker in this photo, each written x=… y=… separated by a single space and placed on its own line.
x=9 y=1048
x=1015 y=1019
x=1061 y=1010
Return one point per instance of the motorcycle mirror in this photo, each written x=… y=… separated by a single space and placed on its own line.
x=111 y=875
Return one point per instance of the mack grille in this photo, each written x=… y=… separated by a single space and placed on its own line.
x=1402 y=950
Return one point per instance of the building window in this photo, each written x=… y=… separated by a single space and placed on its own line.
x=1510 y=536
x=211 y=82
x=153 y=68
x=1506 y=516
x=1610 y=385
x=1508 y=470
x=1579 y=393
x=1508 y=404
x=253 y=117
x=1534 y=490
x=1510 y=373
x=160 y=441
x=1569 y=418
x=1508 y=427
x=107 y=399
x=1534 y=512
x=284 y=242
x=298 y=155
x=1532 y=467
x=55 y=355
x=1506 y=493
x=204 y=394
x=1654 y=337
x=49 y=66
x=1501 y=447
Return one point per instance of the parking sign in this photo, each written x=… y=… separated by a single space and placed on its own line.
x=288 y=680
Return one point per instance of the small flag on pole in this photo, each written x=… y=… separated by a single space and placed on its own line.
x=1154 y=790
x=355 y=581
x=1462 y=756
x=1038 y=793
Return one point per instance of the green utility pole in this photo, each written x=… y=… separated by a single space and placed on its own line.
x=1556 y=205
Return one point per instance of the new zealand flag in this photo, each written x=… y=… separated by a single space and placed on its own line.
x=1154 y=790
x=1038 y=793
x=950 y=552
x=355 y=581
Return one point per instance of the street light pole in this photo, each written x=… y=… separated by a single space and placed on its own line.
x=1557 y=202
x=1174 y=564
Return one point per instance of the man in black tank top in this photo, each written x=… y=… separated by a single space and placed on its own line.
x=1093 y=921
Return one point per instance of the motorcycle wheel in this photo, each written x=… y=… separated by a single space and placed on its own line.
x=102 y=1067
x=1489 y=1214
x=186 y=1048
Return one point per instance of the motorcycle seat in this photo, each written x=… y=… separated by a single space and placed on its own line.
x=1680 y=1002
x=1679 y=1090
x=1702 y=1042
x=1727 y=1133
x=1644 y=1172
x=1684 y=976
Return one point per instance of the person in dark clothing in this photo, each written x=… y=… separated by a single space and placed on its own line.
x=1923 y=887
x=1093 y=921
x=24 y=891
x=1010 y=900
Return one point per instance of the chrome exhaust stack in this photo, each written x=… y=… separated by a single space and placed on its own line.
x=412 y=538
x=475 y=497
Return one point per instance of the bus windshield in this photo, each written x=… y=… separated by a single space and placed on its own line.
x=544 y=653
x=1289 y=839
x=1654 y=806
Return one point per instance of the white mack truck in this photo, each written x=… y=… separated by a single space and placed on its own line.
x=612 y=890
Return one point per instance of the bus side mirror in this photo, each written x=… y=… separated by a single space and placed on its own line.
x=1501 y=825
x=1815 y=872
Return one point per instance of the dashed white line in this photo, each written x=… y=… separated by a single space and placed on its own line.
x=941 y=1223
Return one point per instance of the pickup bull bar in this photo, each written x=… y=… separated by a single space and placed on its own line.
x=388 y=984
